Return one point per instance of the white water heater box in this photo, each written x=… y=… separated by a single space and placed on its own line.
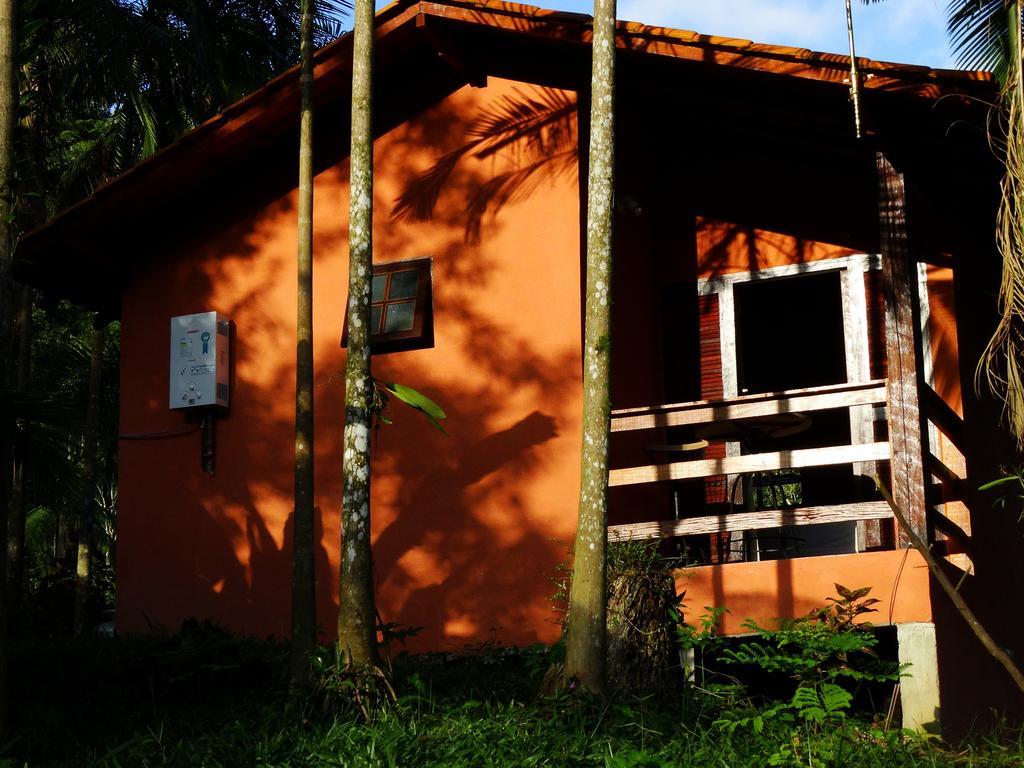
x=199 y=360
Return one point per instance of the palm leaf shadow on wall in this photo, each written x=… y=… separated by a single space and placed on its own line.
x=534 y=129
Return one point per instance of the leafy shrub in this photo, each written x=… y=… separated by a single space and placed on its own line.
x=816 y=663
x=825 y=646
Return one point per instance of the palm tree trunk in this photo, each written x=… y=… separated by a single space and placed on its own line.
x=586 y=639
x=357 y=633
x=86 y=533
x=303 y=547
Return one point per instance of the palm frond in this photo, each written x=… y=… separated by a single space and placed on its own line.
x=978 y=33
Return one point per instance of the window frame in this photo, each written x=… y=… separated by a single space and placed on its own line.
x=421 y=334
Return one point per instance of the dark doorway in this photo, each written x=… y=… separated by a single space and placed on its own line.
x=789 y=333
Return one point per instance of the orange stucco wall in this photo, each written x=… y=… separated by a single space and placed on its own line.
x=468 y=528
x=776 y=589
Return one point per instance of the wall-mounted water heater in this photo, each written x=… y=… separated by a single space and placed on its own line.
x=199 y=360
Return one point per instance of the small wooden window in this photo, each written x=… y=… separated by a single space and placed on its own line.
x=401 y=307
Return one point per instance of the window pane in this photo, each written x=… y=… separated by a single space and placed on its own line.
x=375 y=313
x=404 y=284
x=379 y=282
x=400 y=317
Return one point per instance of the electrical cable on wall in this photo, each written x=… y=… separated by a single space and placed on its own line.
x=160 y=434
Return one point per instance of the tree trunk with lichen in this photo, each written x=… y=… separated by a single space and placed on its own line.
x=303 y=544
x=585 y=637
x=357 y=630
x=83 y=575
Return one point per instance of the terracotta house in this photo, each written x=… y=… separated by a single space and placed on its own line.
x=794 y=312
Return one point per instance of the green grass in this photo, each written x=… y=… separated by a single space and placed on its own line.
x=208 y=699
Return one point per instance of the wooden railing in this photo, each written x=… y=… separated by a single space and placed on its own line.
x=750 y=407
x=751 y=521
x=951 y=484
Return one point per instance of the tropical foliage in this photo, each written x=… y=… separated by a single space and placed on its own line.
x=205 y=697
x=156 y=70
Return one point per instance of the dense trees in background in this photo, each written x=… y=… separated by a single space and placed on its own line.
x=88 y=88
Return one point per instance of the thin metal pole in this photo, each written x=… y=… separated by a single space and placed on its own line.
x=854 y=74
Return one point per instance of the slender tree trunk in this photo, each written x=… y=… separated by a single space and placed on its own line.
x=5 y=638
x=303 y=548
x=8 y=112
x=357 y=632
x=586 y=639
x=86 y=529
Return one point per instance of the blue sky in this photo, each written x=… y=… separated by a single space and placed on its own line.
x=907 y=31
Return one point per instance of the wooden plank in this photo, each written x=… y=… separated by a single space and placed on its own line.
x=945 y=418
x=751 y=521
x=748 y=406
x=952 y=483
x=758 y=397
x=937 y=467
x=753 y=462
x=948 y=527
x=902 y=344
x=858 y=366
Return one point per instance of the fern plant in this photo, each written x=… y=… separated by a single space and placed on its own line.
x=821 y=704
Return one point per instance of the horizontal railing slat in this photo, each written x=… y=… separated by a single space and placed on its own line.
x=754 y=462
x=945 y=418
x=751 y=521
x=749 y=406
x=951 y=529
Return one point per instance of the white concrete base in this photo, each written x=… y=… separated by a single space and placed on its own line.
x=919 y=688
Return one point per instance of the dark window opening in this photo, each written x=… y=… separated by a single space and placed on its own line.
x=401 y=307
x=789 y=333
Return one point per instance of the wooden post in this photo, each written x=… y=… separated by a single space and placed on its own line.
x=902 y=346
